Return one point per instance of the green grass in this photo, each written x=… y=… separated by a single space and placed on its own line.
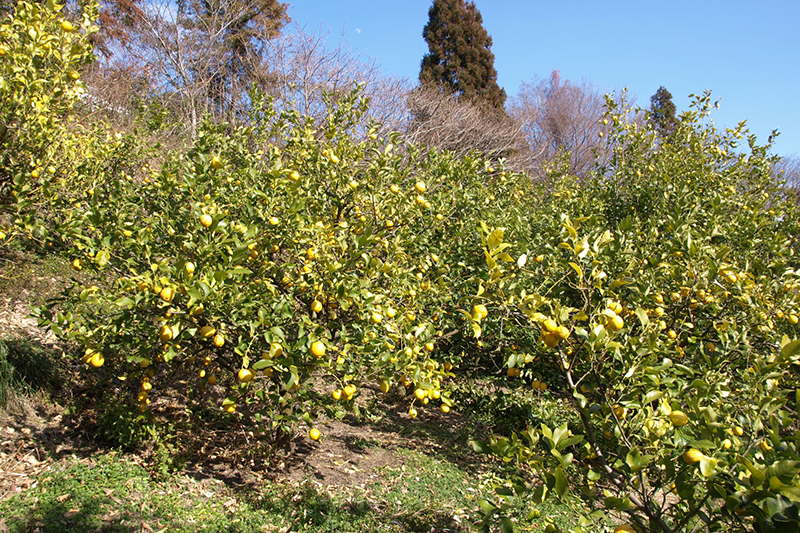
x=111 y=493
x=27 y=368
x=114 y=494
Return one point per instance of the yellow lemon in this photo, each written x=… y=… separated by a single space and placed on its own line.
x=317 y=349
x=314 y=434
x=245 y=375
x=678 y=418
x=219 y=340
x=165 y=333
x=206 y=220
x=550 y=340
x=276 y=350
x=692 y=456
x=616 y=323
x=207 y=332
x=479 y=312
x=167 y=294
x=97 y=360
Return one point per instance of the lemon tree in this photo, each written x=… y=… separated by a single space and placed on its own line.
x=282 y=263
x=42 y=54
x=664 y=298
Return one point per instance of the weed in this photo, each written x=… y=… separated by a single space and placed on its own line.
x=123 y=427
x=26 y=368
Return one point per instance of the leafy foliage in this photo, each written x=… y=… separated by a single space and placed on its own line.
x=39 y=85
x=675 y=278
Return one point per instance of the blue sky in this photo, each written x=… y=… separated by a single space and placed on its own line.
x=746 y=52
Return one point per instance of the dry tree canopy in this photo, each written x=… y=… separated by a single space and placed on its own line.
x=438 y=119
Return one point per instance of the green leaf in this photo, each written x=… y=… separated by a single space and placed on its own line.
x=577 y=269
x=755 y=472
x=261 y=364
x=506 y=526
x=790 y=349
x=480 y=446
x=785 y=470
x=494 y=240
x=487 y=506
x=539 y=494
x=708 y=466
x=618 y=504
x=562 y=485
x=636 y=461
x=641 y=314
x=124 y=302
x=702 y=444
x=652 y=396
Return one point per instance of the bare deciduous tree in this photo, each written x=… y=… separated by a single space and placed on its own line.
x=303 y=67
x=559 y=117
x=176 y=65
x=788 y=170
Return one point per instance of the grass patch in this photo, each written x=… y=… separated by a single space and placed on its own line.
x=112 y=493
x=27 y=368
x=33 y=276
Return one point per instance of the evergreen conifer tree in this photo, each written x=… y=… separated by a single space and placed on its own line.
x=662 y=112
x=460 y=59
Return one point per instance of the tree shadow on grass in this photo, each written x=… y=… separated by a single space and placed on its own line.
x=55 y=517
